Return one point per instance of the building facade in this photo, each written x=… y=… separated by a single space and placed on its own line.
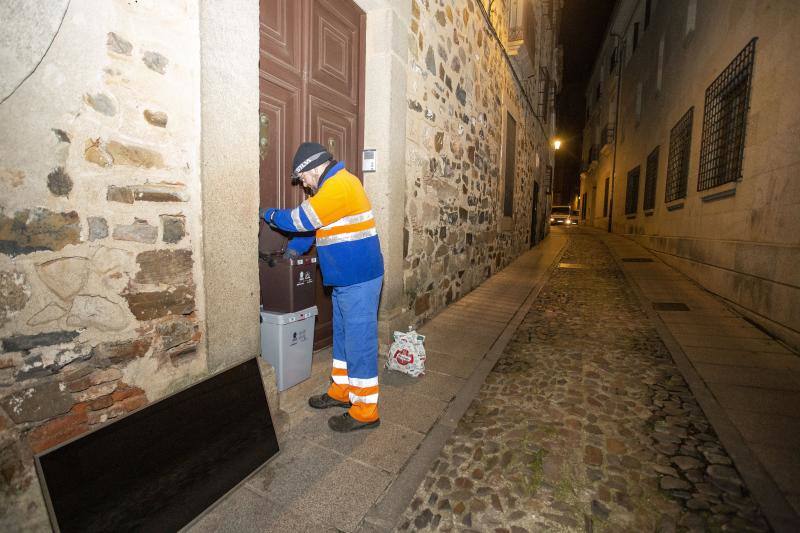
x=689 y=147
x=131 y=167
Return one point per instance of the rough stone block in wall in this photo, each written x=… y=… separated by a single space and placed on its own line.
x=14 y=294
x=117 y=153
x=139 y=231
x=120 y=352
x=59 y=182
x=37 y=229
x=149 y=192
x=38 y=402
x=58 y=430
x=98 y=228
x=176 y=332
x=25 y=343
x=94 y=378
x=156 y=118
x=102 y=103
x=118 y=44
x=155 y=61
x=171 y=267
x=174 y=228
x=149 y=305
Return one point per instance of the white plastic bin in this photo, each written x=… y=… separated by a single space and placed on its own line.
x=287 y=340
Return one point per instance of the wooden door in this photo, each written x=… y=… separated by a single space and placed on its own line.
x=311 y=75
x=535 y=215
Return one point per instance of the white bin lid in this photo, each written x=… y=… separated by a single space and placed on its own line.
x=287 y=318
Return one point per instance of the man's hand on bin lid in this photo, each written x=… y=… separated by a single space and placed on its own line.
x=290 y=253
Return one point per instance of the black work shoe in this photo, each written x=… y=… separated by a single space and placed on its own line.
x=344 y=423
x=323 y=401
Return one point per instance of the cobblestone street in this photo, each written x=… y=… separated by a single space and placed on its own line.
x=584 y=424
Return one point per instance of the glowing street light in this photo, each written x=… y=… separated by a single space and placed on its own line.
x=556 y=144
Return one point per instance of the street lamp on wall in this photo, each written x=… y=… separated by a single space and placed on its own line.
x=556 y=144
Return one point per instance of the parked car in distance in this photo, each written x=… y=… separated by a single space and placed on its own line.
x=562 y=214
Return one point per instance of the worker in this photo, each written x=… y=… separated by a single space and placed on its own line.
x=350 y=259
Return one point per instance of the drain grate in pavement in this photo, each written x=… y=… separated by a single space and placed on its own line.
x=636 y=260
x=670 y=306
x=572 y=265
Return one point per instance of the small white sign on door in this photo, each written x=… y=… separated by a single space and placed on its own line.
x=369 y=160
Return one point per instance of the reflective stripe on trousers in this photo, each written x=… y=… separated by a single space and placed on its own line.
x=355 y=348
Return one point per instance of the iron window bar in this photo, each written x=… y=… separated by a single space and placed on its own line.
x=725 y=120
x=680 y=143
x=650 y=180
x=632 y=192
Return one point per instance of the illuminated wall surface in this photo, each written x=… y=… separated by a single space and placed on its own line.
x=730 y=219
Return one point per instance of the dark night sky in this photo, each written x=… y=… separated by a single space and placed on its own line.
x=583 y=23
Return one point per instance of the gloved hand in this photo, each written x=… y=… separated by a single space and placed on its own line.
x=266 y=214
x=290 y=253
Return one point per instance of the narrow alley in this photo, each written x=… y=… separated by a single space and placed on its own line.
x=551 y=402
x=584 y=424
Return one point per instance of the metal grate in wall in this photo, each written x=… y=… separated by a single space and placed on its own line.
x=632 y=191
x=650 y=180
x=680 y=143
x=725 y=121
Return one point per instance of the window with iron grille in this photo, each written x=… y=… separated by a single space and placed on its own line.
x=632 y=192
x=612 y=60
x=725 y=122
x=583 y=207
x=605 y=198
x=650 y=180
x=635 y=35
x=544 y=94
x=680 y=142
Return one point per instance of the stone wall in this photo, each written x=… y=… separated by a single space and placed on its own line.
x=101 y=300
x=460 y=88
x=739 y=240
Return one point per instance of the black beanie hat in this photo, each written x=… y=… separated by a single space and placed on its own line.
x=308 y=156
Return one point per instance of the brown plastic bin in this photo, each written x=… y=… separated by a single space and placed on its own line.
x=287 y=285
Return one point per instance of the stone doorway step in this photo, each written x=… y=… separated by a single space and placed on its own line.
x=322 y=481
x=747 y=383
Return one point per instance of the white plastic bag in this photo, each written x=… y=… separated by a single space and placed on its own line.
x=407 y=353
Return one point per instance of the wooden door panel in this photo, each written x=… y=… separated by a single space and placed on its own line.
x=335 y=129
x=335 y=50
x=281 y=33
x=280 y=105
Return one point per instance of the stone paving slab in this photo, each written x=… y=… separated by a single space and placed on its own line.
x=765 y=378
x=414 y=411
x=767 y=428
x=739 y=329
x=452 y=365
x=311 y=481
x=757 y=400
x=730 y=343
x=746 y=358
x=246 y=511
